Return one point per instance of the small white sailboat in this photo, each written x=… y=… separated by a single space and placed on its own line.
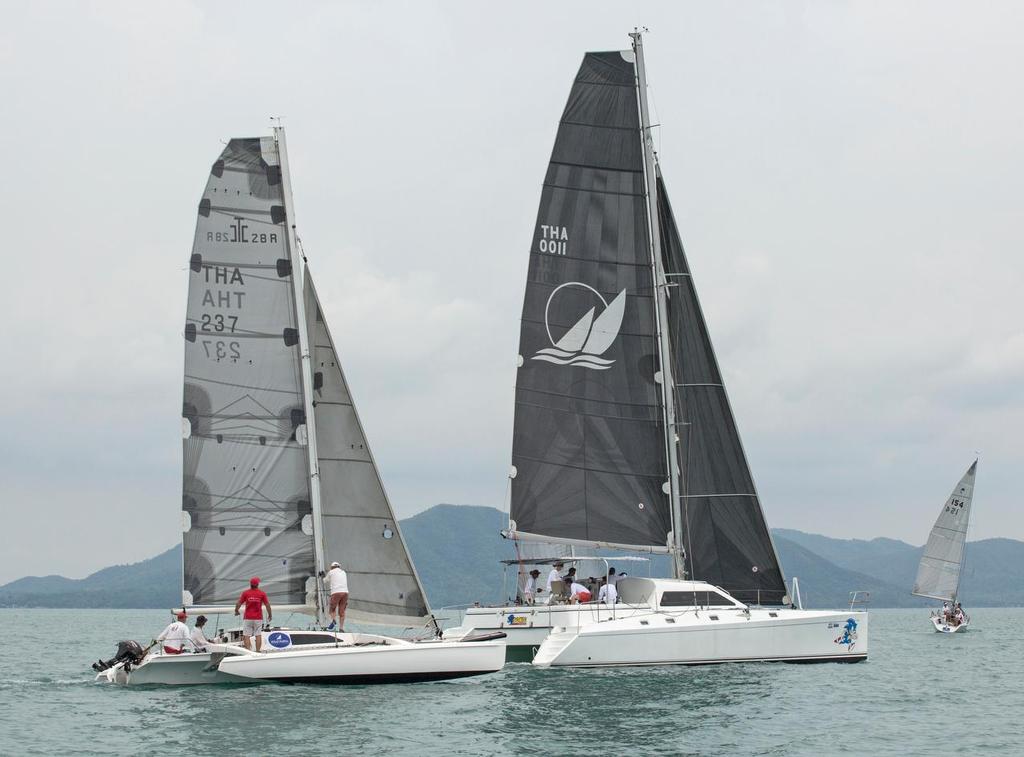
x=278 y=473
x=635 y=449
x=938 y=574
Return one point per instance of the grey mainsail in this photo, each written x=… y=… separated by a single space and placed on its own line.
x=588 y=451
x=938 y=575
x=245 y=495
x=724 y=532
x=359 y=529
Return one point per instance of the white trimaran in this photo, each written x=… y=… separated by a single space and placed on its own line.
x=624 y=437
x=278 y=475
x=938 y=574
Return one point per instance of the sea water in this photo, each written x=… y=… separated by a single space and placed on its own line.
x=920 y=693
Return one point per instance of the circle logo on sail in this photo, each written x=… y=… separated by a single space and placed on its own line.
x=591 y=335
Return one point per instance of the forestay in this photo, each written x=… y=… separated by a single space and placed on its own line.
x=724 y=533
x=588 y=451
x=359 y=527
x=245 y=495
x=938 y=575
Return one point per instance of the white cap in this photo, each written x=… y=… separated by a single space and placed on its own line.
x=335 y=565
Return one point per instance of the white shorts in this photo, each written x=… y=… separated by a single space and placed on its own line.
x=252 y=627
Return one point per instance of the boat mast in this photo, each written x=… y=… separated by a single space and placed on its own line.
x=660 y=294
x=306 y=363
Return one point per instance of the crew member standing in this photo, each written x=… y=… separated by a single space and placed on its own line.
x=530 y=592
x=252 y=622
x=554 y=575
x=337 y=586
x=176 y=635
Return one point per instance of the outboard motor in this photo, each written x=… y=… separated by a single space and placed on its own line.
x=129 y=652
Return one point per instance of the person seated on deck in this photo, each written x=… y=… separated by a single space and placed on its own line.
x=608 y=594
x=578 y=593
x=176 y=635
x=531 y=589
x=199 y=641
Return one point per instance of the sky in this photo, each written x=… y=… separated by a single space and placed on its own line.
x=848 y=179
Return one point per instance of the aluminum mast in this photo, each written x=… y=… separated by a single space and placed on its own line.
x=306 y=365
x=660 y=293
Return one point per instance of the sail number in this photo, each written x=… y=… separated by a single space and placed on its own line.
x=219 y=322
x=221 y=350
x=954 y=505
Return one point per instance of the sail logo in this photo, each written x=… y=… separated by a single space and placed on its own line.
x=591 y=336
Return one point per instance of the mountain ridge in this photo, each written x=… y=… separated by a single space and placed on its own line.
x=456 y=549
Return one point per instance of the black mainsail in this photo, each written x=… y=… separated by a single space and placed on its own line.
x=588 y=448
x=594 y=462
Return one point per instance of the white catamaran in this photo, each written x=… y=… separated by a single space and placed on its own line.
x=938 y=575
x=624 y=437
x=278 y=474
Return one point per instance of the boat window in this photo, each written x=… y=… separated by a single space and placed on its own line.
x=773 y=615
x=643 y=623
x=670 y=620
x=713 y=617
x=694 y=599
x=299 y=640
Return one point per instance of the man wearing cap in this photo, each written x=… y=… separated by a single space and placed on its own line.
x=199 y=641
x=336 y=581
x=530 y=591
x=252 y=622
x=175 y=636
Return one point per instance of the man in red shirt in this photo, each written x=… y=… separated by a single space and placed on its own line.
x=252 y=622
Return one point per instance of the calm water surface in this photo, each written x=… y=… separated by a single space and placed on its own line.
x=917 y=687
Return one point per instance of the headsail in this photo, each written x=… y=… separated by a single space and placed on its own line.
x=724 y=532
x=245 y=495
x=938 y=575
x=359 y=527
x=588 y=452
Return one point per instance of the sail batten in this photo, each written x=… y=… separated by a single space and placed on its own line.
x=938 y=574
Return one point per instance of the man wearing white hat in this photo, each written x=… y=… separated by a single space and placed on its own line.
x=337 y=586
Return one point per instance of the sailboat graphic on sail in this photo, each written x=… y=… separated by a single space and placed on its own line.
x=644 y=454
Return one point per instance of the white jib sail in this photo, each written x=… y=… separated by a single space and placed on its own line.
x=938 y=575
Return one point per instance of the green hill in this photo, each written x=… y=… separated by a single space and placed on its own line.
x=456 y=550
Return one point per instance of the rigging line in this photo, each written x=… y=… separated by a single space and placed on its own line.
x=631 y=128
x=605 y=263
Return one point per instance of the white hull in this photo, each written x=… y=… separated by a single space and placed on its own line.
x=187 y=669
x=371 y=659
x=941 y=626
x=709 y=636
x=526 y=626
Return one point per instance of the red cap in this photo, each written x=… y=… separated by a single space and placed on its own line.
x=182 y=615
x=254 y=581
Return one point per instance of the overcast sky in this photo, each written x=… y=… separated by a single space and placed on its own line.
x=847 y=179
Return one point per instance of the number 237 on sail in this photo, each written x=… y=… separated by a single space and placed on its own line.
x=217 y=349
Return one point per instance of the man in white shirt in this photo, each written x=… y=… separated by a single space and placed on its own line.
x=336 y=581
x=530 y=590
x=199 y=641
x=554 y=575
x=176 y=635
x=608 y=594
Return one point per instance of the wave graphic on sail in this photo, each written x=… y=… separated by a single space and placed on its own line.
x=588 y=338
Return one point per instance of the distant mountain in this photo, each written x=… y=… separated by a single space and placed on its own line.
x=456 y=550
x=993 y=570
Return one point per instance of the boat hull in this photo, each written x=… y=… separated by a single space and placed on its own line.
x=171 y=670
x=526 y=626
x=710 y=637
x=941 y=626
x=393 y=662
